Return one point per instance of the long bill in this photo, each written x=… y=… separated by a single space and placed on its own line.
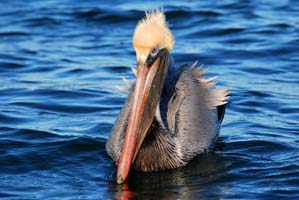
x=149 y=83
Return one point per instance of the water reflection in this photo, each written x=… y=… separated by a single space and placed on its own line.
x=196 y=180
x=124 y=192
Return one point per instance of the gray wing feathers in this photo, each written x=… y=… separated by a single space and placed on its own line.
x=192 y=113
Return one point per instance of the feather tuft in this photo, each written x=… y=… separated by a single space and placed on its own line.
x=127 y=81
x=122 y=89
x=194 y=64
x=134 y=70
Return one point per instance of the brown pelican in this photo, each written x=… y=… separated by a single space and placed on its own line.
x=171 y=113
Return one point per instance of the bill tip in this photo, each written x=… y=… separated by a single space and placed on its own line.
x=120 y=180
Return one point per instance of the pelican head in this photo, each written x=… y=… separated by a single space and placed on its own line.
x=152 y=42
x=151 y=35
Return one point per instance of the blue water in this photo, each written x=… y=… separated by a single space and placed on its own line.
x=60 y=60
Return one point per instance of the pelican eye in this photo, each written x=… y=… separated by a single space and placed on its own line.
x=152 y=55
x=154 y=51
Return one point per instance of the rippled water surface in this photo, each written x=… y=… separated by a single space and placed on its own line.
x=60 y=60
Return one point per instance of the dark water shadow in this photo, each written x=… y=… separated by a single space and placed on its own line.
x=190 y=182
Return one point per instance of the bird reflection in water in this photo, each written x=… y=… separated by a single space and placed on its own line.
x=124 y=192
x=192 y=181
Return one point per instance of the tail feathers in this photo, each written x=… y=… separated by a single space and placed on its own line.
x=217 y=97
